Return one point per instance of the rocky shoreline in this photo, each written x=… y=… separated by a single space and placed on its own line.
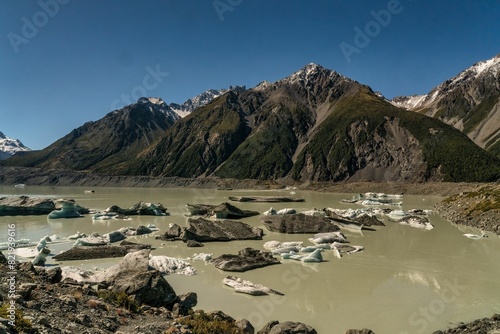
x=479 y=208
x=52 y=177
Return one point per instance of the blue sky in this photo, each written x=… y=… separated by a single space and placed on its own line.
x=66 y=62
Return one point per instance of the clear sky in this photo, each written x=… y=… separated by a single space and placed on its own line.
x=66 y=62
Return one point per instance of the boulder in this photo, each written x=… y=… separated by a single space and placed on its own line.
x=298 y=223
x=68 y=210
x=115 y=236
x=174 y=231
x=359 y=331
x=247 y=259
x=24 y=205
x=188 y=300
x=133 y=276
x=204 y=230
x=141 y=208
x=287 y=327
x=245 y=326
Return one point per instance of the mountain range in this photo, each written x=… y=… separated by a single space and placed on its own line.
x=9 y=146
x=313 y=125
x=469 y=101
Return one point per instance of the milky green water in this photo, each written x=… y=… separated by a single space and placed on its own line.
x=405 y=281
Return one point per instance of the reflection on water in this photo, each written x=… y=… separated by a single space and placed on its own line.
x=405 y=281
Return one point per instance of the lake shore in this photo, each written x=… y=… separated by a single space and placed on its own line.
x=39 y=177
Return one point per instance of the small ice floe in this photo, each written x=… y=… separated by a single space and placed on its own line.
x=202 y=257
x=340 y=249
x=397 y=214
x=153 y=227
x=475 y=236
x=417 y=222
x=315 y=212
x=247 y=287
x=286 y=211
x=16 y=243
x=91 y=241
x=271 y=212
x=77 y=235
x=308 y=257
x=328 y=238
x=168 y=265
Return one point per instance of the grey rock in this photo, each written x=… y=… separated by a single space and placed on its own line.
x=174 y=231
x=188 y=300
x=359 y=331
x=24 y=205
x=245 y=326
x=287 y=327
x=133 y=276
x=298 y=223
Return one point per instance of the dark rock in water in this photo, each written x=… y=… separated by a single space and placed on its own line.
x=24 y=205
x=141 y=229
x=99 y=252
x=3 y=259
x=194 y=243
x=141 y=208
x=116 y=236
x=287 y=327
x=298 y=223
x=265 y=199
x=359 y=331
x=204 y=230
x=367 y=220
x=174 y=231
x=247 y=259
x=223 y=210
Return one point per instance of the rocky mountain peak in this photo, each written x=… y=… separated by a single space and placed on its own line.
x=9 y=146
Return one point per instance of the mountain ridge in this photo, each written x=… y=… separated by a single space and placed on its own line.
x=470 y=101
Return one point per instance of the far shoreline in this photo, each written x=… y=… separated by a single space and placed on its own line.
x=53 y=177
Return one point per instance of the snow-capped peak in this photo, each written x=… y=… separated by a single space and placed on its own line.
x=9 y=146
x=202 y=99
x=152 y=100
x=310 y=72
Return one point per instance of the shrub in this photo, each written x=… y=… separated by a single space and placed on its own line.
x=120 y=299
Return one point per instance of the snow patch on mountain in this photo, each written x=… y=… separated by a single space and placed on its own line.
x=9 y=146
x=408 y=102
x=202 y=99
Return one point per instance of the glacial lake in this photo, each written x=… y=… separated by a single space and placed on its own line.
x=406 y=280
